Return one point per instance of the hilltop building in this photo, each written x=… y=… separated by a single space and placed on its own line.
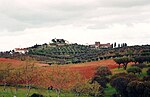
x=98 y=45
x=58 y=42
x=21 y=50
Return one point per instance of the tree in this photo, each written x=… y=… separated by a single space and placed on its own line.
x=5 y=71
x=138 y=89
x=101 y=80
x=54 y=40
x=62 y=78
x=118 y=61
x=103 y=71
x=124 y=61
x=30 y=75
x=115 y=45
x=118 y=45
x=120 y=84
x=141 y=59
x=134 y=70
x=101 y=75
x=148 y=72
x=93 y=89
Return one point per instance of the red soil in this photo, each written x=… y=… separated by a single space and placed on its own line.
x=86 y=70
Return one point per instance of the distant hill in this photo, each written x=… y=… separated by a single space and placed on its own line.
x=64 y=54
x=60 y=52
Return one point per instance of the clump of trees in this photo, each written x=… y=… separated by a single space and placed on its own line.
x=139 y=65
x=148 y=72
x=126 y=60
x=129 y=85
x=102 y=75
x=62 y=78
x=26 y=74
x=138 y=89
x=134 y=70
x=88 y=88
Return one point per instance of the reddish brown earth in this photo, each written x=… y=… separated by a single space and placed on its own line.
x=85 y=69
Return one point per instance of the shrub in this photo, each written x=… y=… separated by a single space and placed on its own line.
x=134 y=70
x=115 y=95
x=103 y=71
x=139 y=65
x=120 y=84
x=87 y=88
x=138 y=89
x=101 y=80
x=36 y=95
x=146 y=78
x=130 y=77
x=148 y=72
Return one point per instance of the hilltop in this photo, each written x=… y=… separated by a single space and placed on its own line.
x=60 y=51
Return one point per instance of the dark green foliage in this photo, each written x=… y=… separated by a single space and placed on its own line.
x=123 y=60
x=101 y=75
x=36 y=95
x=141 y=59
x=101 y=80
x=130 y=77
x=146 y=78
x=148 y=71
x=120 y=84
x=115 y=95
x=140 y=65
x=103 y=71
x=134 y=70
x=67 y=53
x=138 y=89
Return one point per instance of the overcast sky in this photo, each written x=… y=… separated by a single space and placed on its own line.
x=24 y=23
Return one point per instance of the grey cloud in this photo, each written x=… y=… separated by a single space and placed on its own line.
x=19 y=15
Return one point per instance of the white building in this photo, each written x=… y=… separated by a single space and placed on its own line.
x=21 y=50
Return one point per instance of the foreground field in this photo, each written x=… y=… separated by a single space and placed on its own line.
x=10 y=91
x=85 y=69
x=63 y=78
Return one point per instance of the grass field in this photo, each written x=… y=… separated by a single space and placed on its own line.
x=22 y=92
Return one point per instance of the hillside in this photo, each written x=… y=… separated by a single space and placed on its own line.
x=74 y=53
x=70 y=53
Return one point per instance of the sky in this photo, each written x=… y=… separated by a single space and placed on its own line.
x=24 y=23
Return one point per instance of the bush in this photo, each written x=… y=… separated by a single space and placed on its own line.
x=101 y=80
x=36 y=95
x=120 y=84
x=130 y=77
x=103 y=71
x=138 y=89
x=139 y=65
x=115 y=95
x=87 y=88
x=146 y=78
x=148 y=72
x=134 y=70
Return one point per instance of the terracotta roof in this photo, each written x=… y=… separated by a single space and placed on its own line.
x=21 y=49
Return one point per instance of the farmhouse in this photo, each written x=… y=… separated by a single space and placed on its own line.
x=99 y=45
x=21 y=50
